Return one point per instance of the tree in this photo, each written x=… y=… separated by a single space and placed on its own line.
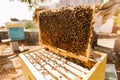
x=30 y=25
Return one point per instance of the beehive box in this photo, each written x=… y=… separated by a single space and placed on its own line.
x=15 y=30
x=66 y=34
x=41 y=64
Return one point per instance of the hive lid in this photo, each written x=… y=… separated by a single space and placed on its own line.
x=14 y=24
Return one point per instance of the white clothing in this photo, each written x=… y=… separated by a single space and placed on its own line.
x=63 y=3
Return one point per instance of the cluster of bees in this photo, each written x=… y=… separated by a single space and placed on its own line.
x=68 y=28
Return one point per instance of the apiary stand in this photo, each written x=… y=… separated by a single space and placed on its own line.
x=15 y=46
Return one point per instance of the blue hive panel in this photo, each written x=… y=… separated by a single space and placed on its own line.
x=16 y=33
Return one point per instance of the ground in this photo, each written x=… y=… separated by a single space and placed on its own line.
x=10 y=67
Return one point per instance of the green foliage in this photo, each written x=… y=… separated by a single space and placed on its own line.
x=30 y=25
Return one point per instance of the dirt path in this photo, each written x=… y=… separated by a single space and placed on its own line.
x=10 y=67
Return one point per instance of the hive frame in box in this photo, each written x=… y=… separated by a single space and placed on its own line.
x=97 y=72
x=88 y=50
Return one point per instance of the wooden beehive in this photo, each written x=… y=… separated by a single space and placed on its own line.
x=15 y=30
x=66 y=35
x=41 y=64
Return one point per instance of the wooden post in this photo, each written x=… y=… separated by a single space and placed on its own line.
x=15 y=46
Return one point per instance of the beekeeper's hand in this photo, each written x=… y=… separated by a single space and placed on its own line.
x=36 y=11
x=107 y=10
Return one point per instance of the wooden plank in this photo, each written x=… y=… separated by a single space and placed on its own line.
x=6 y=40
x=83 y=59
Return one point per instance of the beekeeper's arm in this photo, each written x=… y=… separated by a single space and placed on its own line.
x=108 y=9
x=105 y=11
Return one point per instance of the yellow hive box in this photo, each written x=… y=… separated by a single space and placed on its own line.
x=41 y=64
